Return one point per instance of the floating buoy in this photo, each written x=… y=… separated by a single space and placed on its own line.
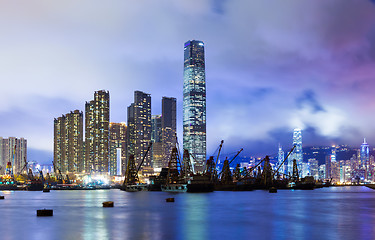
x=45 y=190
x=108 y=204
x=272 y=190
x=44 y=213
x=2 y=197
x=169 y=200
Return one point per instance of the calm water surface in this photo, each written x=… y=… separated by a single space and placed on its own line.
x=329 y=213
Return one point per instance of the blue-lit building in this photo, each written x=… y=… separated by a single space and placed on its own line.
x=297 y=153
x=194 y=103
x=365 y=159
x=280 y=160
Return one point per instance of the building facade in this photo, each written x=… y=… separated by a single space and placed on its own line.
x=68 y=142
x=297 y=152
x=194 y=102
x=365 y=159
x=117 y=148
x=280 y=159
x=97 y=133
x=157 y=143
x=169 y=130
x=139 y=130
x=13 y=150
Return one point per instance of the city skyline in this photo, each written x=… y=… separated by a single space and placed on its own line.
x=265 y=75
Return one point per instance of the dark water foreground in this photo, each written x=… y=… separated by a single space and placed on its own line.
x=329 y=213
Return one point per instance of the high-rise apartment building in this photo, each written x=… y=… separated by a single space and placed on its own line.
x=139 y=130
x=59 y=144
x=68 y=142
x=168 y=126
x=157 y=143
x=163 y=134
x=117 y=148
x=74 y=127
x=13 y=150
x=97 y=133
x=130 y=133
x=194 y=102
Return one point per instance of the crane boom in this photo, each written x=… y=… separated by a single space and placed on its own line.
x=238 y=153
x=148 y=149
x=218 y=154
x=231 y=160
x=277 y=170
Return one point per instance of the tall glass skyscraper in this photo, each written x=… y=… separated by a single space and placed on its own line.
x=365 y=158
x=297 y=153
x=194 y=103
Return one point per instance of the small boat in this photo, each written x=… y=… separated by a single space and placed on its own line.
x=174 y=187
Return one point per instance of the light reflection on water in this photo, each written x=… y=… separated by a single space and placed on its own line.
x=330 y=213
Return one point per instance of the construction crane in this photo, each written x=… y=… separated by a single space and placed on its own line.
x=277 y=170
x=186 y=168
x=218 y=154
x=227 y=162
x=144 y=156
x=41 y=176
x=131 y=175
x=30 y=175
x=214 y=175
x=173 y=166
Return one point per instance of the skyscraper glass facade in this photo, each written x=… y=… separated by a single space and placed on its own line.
x=194 y=102
x=297 y=153
x=365 y=159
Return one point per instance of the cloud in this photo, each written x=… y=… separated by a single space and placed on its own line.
x=308 y=100
x=270 y=65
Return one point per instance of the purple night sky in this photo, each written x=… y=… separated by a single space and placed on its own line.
x=271 y=66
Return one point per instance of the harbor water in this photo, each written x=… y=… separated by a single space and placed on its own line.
x=327 y=213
